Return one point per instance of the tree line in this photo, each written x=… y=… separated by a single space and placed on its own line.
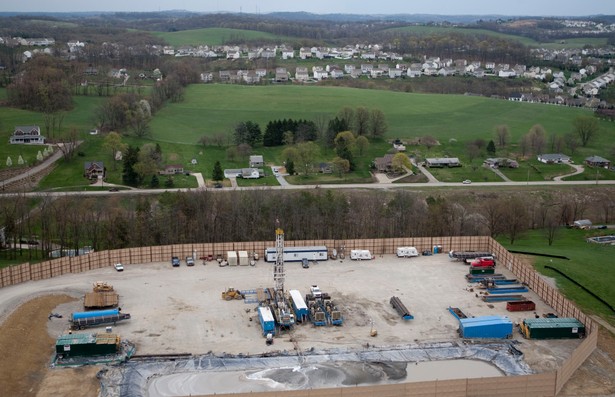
x=222 y=216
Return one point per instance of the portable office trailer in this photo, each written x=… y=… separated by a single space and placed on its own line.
x=296 y=254
x=552 y=328
x=266 y=319
x=69 y=345
x=486 y=327
x=407 y=252
x=231 y=257
x=360 y=255
x=242 y=257
x=299 y=306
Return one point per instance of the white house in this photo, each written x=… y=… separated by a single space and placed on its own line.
x=27 y=135
x=553 y=158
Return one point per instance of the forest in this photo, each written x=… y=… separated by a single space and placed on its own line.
x=225 y=216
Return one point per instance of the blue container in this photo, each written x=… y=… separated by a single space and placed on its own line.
x=95 y=313
x=435 y=249
x=499 y=327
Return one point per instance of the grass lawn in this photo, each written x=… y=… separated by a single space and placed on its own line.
x=534 y=170
x=213 y=36
x=590 y=264
x=593 y=174
x=459 y=174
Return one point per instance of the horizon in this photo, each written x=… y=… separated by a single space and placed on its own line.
x=544 y=8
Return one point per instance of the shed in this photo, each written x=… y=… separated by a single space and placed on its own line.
x=256 y=161
x=87 y=344
x=486 y=327
x=552 y=328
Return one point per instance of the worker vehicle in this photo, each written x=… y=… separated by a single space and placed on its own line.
x=119 y=267
x=189 y=261
x=175 y=261
x=483 y=261
x=304 y=263
x=230 y=294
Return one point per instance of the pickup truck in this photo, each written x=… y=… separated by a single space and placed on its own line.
x=189 y=261
x=483 y=261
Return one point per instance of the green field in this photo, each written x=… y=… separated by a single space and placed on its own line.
x=591 y=265
x=560 y=44
x=213 y=36
x=214 y=109
x=217 y=108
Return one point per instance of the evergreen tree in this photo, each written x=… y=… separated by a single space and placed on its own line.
x=155 y=182
x=129 y=174
x=217 y=174
x=491 y=147
x=290 y=167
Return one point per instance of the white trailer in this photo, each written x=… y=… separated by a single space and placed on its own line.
x=242 y=256
x=297 y=254
x=360 y=255
x=407 y=252
x=231 y=257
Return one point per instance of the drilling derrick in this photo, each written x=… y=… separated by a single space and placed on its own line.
x=278 y=268
x=281 y=309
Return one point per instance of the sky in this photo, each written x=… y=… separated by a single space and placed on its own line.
x=444 y=7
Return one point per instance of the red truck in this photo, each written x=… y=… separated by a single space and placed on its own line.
x=483 y=261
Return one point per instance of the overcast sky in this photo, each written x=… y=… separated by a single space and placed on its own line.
x=447 y=7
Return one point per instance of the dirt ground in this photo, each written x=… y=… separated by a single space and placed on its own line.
x=179 y=310
x=26 y=348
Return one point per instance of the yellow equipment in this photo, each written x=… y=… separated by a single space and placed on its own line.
x=230 y=294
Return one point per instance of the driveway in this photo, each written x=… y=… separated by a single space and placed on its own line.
x=578 y=169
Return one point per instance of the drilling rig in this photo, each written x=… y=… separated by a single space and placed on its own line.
x=280 y=306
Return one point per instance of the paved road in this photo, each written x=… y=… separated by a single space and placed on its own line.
x=386 y=186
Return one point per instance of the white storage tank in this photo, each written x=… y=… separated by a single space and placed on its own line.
x=243 y=258
x=231 y=257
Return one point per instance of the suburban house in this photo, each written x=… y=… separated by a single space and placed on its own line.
x=256 y=161
x=501 y=162
x=385 y=163
x=250 y=173
x=597 y=161
x=27 y=135
x=325 y=168
x=172 y=169
x=281 y=75
x=553 y=158
x=440 y=162
x=301 y=73
x=93 y=169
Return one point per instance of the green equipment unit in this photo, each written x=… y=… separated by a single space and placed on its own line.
x=482 y=270
x=552 y=328
x=70 y=345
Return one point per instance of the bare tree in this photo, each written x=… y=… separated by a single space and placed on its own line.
x=586 y=127
x=362 y=121
x=502 y=133
x=69 y=143
x=377 y=124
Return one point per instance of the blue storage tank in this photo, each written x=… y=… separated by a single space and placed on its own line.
x=499 y=327
x=95 y=313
